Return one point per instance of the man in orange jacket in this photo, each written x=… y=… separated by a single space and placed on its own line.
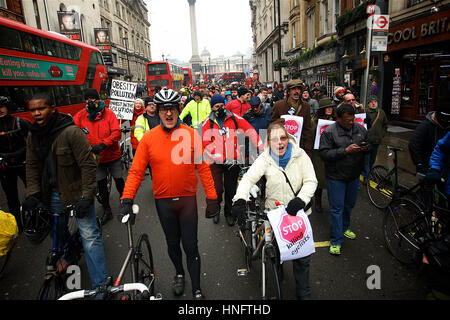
x=102 y=129
x=174 y=152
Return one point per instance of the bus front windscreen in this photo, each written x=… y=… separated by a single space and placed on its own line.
x=157 y=69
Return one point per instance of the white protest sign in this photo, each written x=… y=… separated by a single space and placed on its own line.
x=322 y=124
x=293 y=125
x=293 y=233
x=359 y=118
x=123 y=109
x=123 y=90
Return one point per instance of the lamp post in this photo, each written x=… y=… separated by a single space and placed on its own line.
x=126 y=50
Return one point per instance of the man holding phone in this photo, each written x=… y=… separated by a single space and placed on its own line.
x=343 y=146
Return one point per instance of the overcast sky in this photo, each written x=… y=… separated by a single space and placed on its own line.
x=223 y=27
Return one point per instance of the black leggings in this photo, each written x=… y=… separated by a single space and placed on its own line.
x=103 y=190
x=179 y=220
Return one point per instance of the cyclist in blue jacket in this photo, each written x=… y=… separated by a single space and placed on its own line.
x=439 y=162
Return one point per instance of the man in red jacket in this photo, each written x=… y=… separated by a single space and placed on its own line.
x=103 y=131
x=240 y=105
x=222 y=150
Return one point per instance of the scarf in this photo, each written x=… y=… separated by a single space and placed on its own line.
x=284 y=159
x=96 y=113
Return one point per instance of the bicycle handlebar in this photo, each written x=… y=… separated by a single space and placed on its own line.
x=126 y=217
x=80 y=294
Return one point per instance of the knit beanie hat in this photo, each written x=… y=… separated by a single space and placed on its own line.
x=91 y=93
x=242 y=90
x=217 y=98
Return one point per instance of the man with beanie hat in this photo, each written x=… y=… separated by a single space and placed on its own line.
x=293 y=105
x=198 y=109
x=338 y=95
x=223 y=151
x=240 y=105
x=377 y=124
x=102 y=129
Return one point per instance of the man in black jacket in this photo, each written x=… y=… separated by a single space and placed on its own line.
x=343 y=146
x=426 y=135
x=13 y=133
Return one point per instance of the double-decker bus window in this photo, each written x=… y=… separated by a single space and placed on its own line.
x=94 y=60
x=32 y=43
x=157 y=69
x=10 y=39
x=160 y=83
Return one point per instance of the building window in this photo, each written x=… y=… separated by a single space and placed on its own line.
x=36 y=14
x=335 y=15
x=325 y=16
x=106 y=4
x=414 y=2
x=294 y=35
x=3 y=4
x=295 y=3
x=311 y=28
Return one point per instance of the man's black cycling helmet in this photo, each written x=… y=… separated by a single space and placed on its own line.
x=167 y=98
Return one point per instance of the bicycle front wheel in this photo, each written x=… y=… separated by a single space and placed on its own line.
x=380 y=187
x=404 y=222
x=145 y=269
x=271 y=287
x=52 y=288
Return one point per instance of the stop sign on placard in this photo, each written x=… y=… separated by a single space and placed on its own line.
x=291 y=126
x=292 y=228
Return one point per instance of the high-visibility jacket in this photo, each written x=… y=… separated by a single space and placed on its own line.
x=199 y=111
x=174 y=157
x=142 y=125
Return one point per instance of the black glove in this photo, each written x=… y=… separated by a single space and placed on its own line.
x=126 y=207
x=98 y=148
x=433 y=176
x=294 y=206
x=239 y=210
x=31 y=202
x=212 y=208
x=82 y=208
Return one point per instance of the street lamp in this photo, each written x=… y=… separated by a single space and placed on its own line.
x=126 y=49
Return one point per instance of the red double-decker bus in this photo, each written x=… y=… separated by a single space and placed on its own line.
x=33 y=60
x=165 y=75
x=187 y=80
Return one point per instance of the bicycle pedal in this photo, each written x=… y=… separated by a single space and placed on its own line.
x=242 y=272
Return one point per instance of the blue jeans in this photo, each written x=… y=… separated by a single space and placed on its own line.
x=91 y=239
x=342 y=197
x=371 y=157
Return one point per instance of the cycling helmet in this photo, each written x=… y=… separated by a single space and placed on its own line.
x=36 y=224
x=167 y=98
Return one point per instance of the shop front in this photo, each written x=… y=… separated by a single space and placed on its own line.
x=417 y=66
x=322 y=68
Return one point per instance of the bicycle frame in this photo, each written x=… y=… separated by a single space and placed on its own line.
x=128 y=258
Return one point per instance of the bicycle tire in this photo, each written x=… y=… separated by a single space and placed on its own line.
x=404 y=222
x=247 y=246
x=380 y=187
x=271 y=287
x=52 y=288
x=144 y=264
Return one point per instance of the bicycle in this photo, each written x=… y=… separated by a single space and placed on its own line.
x=140 y=258
x=108 y=291
x=54 y=280
x=408 y=225
x=125 y=150
x=258 y=241
x=383 y=186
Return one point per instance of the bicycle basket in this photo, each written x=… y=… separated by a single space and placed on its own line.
x=36 y=224
x=9 y=232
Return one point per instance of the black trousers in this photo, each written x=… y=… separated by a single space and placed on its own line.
x=225 y=179
x=179 y=220
x=8 y=180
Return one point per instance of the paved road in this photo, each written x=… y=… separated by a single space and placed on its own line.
x=344 y=277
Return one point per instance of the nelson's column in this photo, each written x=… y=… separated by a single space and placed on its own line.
x=195 y=59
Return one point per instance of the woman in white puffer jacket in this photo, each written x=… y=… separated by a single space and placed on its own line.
x=285 y=155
